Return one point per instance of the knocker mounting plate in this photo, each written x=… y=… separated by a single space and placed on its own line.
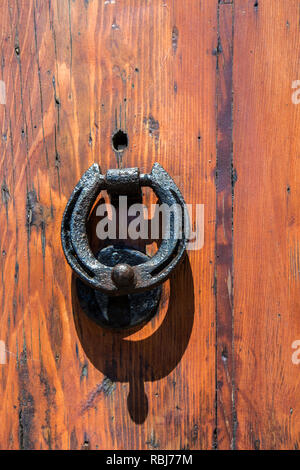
x=118 y=311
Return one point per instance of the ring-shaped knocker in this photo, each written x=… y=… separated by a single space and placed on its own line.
x=140 y=272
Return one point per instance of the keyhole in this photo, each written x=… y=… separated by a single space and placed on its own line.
x=119 y=141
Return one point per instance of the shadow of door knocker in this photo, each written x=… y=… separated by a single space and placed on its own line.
x=120 y=287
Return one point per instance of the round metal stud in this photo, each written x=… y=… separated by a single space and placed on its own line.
x=122 y=275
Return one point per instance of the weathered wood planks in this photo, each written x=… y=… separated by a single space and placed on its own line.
x=205 y=89
x=266 y=224
x=74 y=72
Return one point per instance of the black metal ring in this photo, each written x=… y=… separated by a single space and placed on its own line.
x=75 y=240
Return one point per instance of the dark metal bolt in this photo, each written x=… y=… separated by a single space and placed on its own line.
x=122 y=275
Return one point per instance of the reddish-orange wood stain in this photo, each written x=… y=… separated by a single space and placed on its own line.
x=205 y=89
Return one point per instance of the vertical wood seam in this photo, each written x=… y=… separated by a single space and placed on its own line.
x=226 y=423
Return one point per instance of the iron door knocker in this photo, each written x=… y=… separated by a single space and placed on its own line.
x=120 y=287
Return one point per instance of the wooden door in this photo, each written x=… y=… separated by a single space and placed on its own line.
x=209 y=90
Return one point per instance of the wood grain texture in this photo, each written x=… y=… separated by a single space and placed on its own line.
x=266 y=224
x=205 y=89
x=74 y=71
